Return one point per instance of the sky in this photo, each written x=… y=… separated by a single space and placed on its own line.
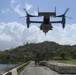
x=14 y=32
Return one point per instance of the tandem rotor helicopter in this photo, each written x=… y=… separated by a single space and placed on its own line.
x=46 y=24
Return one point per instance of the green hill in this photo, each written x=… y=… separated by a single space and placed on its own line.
x=42 y=51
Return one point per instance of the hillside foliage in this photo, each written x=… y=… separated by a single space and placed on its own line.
x=42 y=51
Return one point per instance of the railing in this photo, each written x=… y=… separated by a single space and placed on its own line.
x=15 y=70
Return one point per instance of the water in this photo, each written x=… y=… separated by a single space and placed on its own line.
x=6 y=67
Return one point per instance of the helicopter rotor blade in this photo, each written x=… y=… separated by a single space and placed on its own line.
x=59 y=15
x=69 y=17
x=66 y=11
x=55 y=9
x=22 y=17
x=25 y=11
x=28 y=15
x=38 y=9
x=33 y=16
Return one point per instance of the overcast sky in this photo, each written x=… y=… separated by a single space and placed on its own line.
x=13 y=31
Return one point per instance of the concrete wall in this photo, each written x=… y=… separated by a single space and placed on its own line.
x=11 y=72
x=62 y=68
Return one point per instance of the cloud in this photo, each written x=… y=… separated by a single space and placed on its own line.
x=17 y=10
x=13 y=34
x=17 y=7
x=13 y=1
x=28 y=6
x=12 y=4
x=7 y=10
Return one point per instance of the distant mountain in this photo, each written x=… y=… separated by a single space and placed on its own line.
x=42 y=51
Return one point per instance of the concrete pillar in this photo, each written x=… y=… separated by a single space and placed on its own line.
x=14 y=71
x=9 y=73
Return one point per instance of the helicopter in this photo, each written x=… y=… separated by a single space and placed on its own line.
x=46 y=24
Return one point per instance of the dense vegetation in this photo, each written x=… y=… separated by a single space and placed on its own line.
x=42 y=51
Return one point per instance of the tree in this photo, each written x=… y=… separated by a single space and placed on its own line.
x=63 y=55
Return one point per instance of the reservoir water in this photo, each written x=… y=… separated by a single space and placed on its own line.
x=6 y=67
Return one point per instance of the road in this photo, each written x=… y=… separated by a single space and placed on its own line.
x=38 y=70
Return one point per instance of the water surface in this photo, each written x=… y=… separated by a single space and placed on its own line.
x=6 y=67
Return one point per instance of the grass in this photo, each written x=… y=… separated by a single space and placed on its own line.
x=72 y=61
x=21 y=69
